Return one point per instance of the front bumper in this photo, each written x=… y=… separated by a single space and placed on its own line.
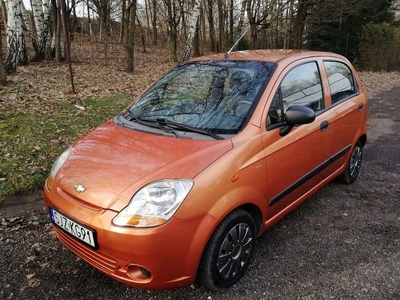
x=162 y=257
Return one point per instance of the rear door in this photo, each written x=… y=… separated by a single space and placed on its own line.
x=348 y=106
x=295 y=162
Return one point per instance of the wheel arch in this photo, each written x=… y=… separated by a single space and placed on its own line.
x=255 y=212
x=363 y=139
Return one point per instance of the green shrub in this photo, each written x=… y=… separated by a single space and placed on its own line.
x=379 y=48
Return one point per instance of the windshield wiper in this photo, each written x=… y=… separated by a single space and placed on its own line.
x=150 y=122
x=189 y=128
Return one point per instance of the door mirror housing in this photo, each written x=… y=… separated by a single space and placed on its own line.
x=297 y=115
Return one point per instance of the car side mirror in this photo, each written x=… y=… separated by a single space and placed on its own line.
x=297 y=115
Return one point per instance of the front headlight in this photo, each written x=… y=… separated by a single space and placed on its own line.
x=56 y=166
x=154 y=204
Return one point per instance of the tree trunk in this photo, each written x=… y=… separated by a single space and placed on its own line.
x=231 y=22
x=155 y=37
x=4 y=13
x=192 y=31
x=299 y=23
x=241 y=20
x=211 y=29
x=89 y=22
x=3 y=73
x=56 y=40
x=130 y=36
x=196 y=41
x=183 y=16
x=28 y=23
x=142 y=37
x=252 y=23
x=44 y=38
x=41 y=16
x=221 y=36
x=75 y=20
x=148 y=17
x=67 y=43
x=122 y=28
x=289 y=25
x=172 y=24
x=17 y=54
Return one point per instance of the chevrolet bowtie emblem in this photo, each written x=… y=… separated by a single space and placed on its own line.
x=79 y=188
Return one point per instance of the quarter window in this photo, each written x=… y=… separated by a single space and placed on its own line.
x=341 y=82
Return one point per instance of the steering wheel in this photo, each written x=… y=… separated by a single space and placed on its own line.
x=242 y=107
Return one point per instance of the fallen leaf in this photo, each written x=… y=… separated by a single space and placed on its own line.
x=34 y=282
x=30 y=276
x=36 y=245
x=43 y=265
x=30 y=258
x=80 y=107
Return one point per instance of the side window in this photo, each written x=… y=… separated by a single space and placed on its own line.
x=301 y=86
x=340 y=78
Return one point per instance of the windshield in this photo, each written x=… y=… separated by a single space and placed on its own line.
x=215 y=96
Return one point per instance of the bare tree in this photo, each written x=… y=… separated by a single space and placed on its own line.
x=241 y=19
x=257 y=13
x=174 y=17
x=103 y=8
x=299 y=23
x=142 y=34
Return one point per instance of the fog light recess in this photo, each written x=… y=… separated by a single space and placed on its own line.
x=145 y=272
x=138 y=272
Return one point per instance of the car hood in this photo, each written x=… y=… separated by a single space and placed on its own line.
x=112 y=163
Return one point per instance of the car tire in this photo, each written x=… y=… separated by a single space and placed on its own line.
x=228 y=252
x=353 y=165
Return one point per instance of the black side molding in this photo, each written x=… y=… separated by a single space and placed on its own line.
x=308 y=176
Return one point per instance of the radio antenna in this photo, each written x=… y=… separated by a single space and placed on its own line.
x=234 y=45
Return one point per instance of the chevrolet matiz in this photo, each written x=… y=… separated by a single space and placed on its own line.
x=178 y=186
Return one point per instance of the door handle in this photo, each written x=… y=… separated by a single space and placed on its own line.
x=324 y=125
x=360 y=106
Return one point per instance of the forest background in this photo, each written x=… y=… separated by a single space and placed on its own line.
x=67 y=66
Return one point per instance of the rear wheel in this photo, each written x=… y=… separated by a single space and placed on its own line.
x=353 y=165
x=228 y=252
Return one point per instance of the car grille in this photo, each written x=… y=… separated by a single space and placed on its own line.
x=97 y=259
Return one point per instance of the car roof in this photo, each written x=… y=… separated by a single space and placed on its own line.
x=269 y=55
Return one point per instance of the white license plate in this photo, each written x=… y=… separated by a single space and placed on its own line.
x=82 y=233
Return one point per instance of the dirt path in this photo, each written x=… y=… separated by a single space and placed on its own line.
x=343 y=243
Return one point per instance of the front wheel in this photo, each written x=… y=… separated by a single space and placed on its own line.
x=228 y=252
x=353 y=165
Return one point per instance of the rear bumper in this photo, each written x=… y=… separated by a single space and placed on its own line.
x=168 y=254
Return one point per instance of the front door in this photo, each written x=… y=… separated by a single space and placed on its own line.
x=296 y=162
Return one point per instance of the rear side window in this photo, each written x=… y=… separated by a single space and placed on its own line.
x=341 y=82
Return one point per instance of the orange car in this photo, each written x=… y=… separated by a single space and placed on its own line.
x=180 y=184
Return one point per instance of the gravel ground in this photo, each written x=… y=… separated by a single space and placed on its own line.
x=343 y=243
